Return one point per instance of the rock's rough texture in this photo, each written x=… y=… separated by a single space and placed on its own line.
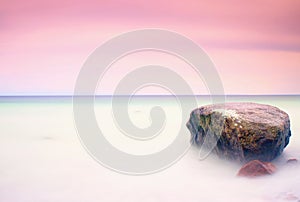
x=243 y=131
x=256 y=168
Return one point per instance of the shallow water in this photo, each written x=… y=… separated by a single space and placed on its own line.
x=42 y=159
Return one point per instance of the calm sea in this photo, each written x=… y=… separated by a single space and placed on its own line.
x=42 y=158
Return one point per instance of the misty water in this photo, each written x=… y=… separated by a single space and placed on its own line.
x=42 y=158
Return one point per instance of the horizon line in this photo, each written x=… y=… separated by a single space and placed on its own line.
x=146 y=95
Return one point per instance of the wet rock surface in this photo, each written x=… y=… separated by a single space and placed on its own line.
x=256 y=168
x=292 y=161
x=241 y=131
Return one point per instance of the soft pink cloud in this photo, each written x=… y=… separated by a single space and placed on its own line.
x=44 y=43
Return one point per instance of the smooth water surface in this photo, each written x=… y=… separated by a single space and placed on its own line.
x=42 y=159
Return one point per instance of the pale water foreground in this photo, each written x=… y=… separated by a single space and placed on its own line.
x=42 y=159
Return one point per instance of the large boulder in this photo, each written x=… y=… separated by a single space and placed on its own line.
x=242 y=131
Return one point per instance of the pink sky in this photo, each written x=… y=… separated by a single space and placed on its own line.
x=254 y=44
